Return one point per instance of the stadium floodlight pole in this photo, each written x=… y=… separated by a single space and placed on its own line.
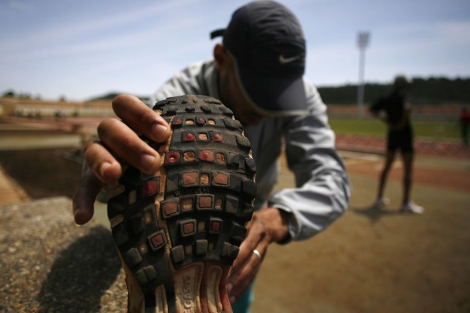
x=362 y=42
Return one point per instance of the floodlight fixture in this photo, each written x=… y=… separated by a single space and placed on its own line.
x=363 y=39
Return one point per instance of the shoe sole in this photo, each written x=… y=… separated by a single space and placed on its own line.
x=179 y=231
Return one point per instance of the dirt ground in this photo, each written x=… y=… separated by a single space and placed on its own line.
x=379 y=260
x=367 y=261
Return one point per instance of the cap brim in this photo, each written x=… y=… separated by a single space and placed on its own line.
x=274 y=96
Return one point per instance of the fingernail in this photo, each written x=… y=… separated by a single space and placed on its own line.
x=229 y=287
x=158 y=130
x=103 y=168
x=76 y=212
x=232 y=300
x=147 y=161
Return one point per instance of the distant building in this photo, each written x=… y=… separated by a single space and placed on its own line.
x=10 y=106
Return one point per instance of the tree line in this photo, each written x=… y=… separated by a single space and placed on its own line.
x=429 y=91
x=433 y=91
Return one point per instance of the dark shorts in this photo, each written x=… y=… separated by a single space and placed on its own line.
x=400 y=140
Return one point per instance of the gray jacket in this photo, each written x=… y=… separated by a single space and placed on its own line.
x=322 y=187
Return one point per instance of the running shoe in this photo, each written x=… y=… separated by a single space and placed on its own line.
x=179 y=230
x=381 y=202
x=411 y=207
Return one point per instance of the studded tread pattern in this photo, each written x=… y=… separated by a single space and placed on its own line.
x=195 y=209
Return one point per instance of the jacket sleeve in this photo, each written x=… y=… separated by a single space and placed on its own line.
x=322 y=185
x=189 y=81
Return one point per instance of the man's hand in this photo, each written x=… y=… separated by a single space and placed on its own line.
x=119 y=139
x=267 y=226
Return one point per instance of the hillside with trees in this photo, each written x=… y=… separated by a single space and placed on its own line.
x=426 y=91
x=110 y=96
x=430 y=91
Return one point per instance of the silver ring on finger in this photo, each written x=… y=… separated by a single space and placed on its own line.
x=257 y=253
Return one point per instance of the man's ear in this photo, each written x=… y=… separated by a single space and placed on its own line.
x=221 y=58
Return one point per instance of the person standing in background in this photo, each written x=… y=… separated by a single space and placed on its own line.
x=397 y=110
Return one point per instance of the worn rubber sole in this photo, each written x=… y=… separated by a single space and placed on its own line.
x=179 y=231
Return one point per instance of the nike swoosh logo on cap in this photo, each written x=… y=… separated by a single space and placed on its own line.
x=284 y=60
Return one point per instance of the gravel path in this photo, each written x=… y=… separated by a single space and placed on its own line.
x=57 y=266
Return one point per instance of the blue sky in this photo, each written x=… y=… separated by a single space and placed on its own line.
x=82 y=49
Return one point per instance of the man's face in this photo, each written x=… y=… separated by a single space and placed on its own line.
x=232 y=96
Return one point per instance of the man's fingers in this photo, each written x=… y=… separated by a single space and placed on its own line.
x=125 y=143
x=119 y=140
x=102 y=163
x=84 y=197
x=245 y=254
x=141 y=118
x=255 y=238
x=240 y=281
x=247 y=263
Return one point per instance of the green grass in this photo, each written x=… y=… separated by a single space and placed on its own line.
x=372 y=127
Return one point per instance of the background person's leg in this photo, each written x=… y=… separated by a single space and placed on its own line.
x=407 y=175
x=389 y=159
x=408 y=205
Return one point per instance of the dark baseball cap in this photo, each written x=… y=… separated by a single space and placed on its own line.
x=266 y=41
